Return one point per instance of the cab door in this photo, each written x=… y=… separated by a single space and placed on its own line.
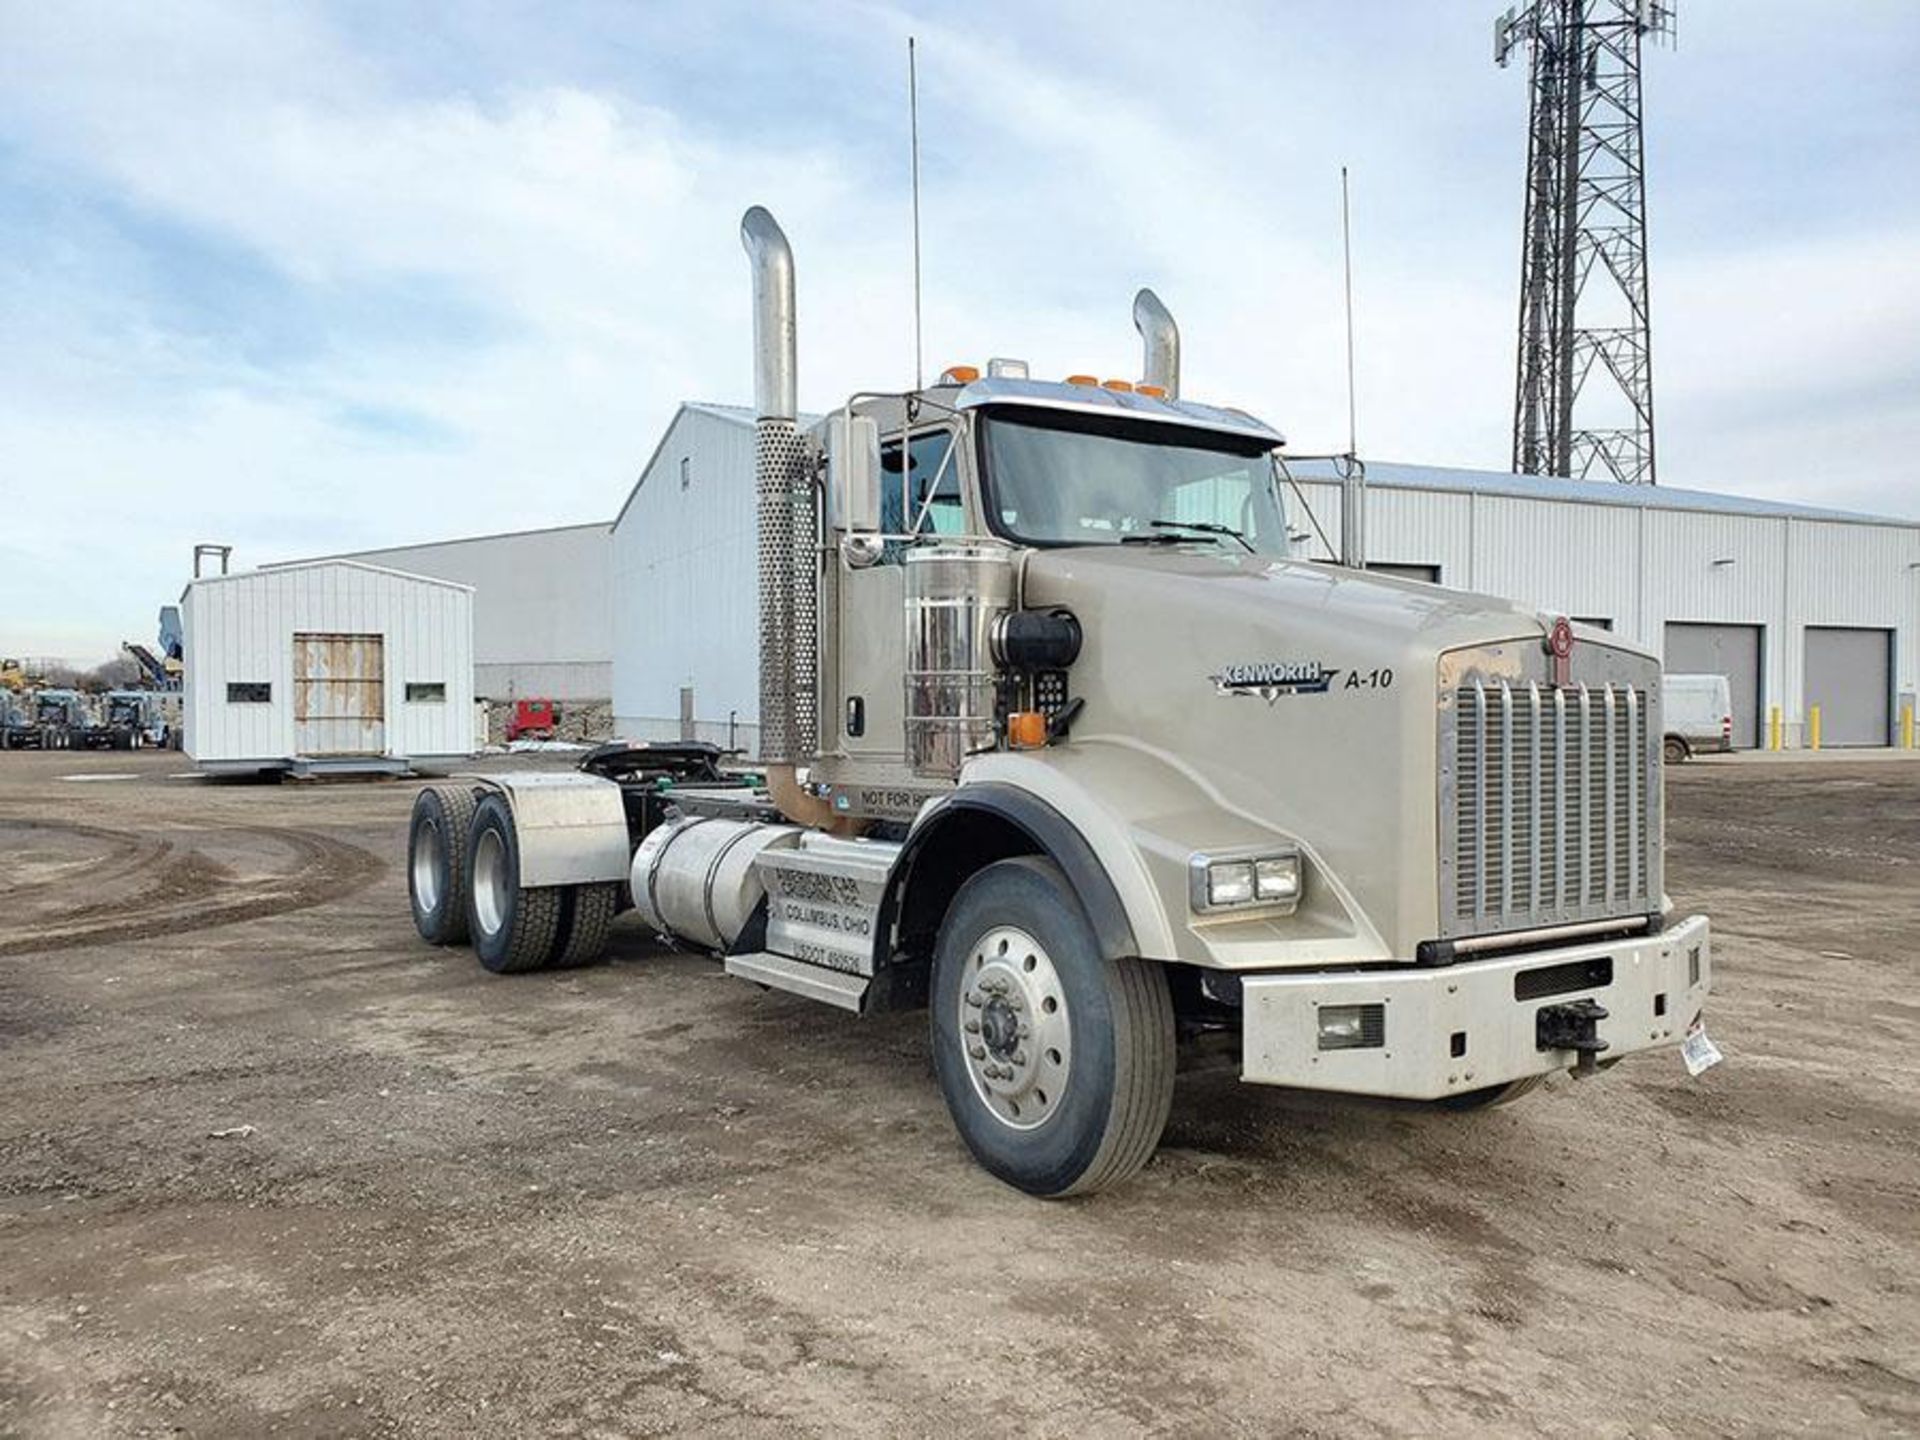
x=924 y=492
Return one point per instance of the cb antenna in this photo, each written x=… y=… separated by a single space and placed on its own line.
x=1346 y=248
x=913 y=129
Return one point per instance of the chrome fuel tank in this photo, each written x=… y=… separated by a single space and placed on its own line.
x=954 y=593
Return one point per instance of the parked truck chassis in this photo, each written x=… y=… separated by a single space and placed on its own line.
x=1060 y=752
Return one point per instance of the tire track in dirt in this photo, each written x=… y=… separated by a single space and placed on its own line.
x=190 y=890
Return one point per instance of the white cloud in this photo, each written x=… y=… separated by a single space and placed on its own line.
x=583 y=216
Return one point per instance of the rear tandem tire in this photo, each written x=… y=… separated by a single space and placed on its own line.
x=1056 y=1063
x=437 y=870
x=586 y=915
x=514 y=929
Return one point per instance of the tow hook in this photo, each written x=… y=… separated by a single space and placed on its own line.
x=1571 y=1026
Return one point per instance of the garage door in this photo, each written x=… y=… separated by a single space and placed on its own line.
x=1850 y=677
x=339 y=695
x=1729 y=650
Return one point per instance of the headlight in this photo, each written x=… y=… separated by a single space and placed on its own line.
x=1277 y=877
x=1230 y=882
x=1244 y=881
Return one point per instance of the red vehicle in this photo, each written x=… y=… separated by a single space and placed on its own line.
x=532 y=720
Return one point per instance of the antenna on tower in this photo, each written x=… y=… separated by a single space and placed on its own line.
x=1586 y=203
x=913 y=130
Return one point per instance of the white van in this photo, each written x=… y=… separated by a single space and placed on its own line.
x=1699 y=715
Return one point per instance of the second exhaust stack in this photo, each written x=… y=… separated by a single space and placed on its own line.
x=1160 y=338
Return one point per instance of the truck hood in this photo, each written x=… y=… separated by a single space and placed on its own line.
x=1298 y=698
x=1303 y=598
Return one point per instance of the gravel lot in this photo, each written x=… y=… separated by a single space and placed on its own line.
x=268 y=1165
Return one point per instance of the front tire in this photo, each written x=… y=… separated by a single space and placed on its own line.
x=1492 y=1096
x=1056 y=1063
x=514 y=929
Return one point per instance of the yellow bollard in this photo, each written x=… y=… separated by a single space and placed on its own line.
x=1813 y=727
x=1776 y=728
x=1906 y=727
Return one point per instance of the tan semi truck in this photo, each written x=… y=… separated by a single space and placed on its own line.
x=1061 y=743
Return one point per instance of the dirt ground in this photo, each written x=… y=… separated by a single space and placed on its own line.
x=269 y=1165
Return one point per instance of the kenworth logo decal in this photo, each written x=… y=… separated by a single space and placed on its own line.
x=1270 y=679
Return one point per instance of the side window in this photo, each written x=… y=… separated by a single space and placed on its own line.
x=931 y=470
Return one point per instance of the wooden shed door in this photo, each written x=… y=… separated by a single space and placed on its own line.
x=339 y=695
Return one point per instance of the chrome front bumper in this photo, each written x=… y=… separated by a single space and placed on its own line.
x=1449 y=1030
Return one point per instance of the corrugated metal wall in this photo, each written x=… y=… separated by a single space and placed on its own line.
x=686 y=590
x=240 y=628
x=685 y=587
x=542 y=607
x=1641 y=567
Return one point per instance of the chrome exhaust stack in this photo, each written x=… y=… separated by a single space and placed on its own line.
x=776 y=346
x=1160 y=338
x=784 y=506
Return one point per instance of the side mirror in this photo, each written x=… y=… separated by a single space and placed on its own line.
x=853 y=473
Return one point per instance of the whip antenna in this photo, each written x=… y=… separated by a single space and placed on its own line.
x=1346 y=248
x=913 y=128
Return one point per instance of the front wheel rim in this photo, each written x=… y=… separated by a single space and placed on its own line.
x=1016 y=1039
x=490 y=882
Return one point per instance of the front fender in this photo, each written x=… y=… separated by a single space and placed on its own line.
x=1009 y=810
x=1142 y=817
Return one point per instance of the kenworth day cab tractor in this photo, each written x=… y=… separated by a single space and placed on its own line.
x=1060 y=743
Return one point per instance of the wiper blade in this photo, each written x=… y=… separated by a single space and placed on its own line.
x=1205 y=527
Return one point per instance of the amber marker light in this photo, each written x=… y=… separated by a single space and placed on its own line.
x=1027 y=730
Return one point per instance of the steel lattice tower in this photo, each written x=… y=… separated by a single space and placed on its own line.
x=1586 y=211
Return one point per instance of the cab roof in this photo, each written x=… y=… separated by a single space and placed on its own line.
x=1097 y=400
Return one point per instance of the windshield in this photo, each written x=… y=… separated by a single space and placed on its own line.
x=1064 y=479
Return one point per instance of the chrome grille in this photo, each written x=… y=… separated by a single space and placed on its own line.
x=1550 y=803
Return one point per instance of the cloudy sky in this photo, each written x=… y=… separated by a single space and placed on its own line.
x=303 y=278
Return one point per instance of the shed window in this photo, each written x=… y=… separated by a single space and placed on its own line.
x=249 y=692
x=686 y=471
x=425 y=691
x=1406 y=570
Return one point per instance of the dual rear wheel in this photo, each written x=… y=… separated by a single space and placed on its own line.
x=463 y=877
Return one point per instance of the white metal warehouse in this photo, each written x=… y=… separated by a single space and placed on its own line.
x=1798 y=606
x=542 y=606
x=327 y=665
x=686 y=658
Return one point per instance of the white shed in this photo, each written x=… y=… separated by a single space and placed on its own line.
x=331 y=665
x=542 y=606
